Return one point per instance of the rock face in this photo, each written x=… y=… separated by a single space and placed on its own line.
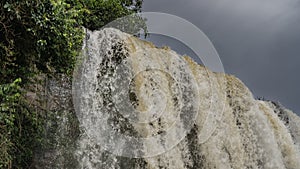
x=140 y=106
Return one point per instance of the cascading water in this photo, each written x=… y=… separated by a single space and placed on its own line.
x=139 y=106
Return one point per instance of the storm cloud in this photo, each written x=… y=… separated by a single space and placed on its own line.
x=257 y=40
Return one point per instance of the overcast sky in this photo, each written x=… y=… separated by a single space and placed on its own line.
x=257 y=40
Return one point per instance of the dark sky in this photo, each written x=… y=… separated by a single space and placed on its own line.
x=257 y=40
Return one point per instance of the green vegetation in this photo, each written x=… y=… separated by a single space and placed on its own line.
x=20 y=127
x=41 y=36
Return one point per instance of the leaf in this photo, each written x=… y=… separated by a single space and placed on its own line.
x=7 y=5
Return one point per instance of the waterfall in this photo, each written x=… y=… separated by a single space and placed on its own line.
x=140 y=106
